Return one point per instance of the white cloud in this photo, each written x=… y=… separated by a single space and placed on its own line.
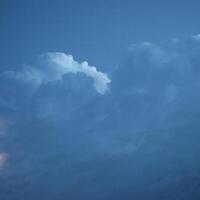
x=62 y=63
x=53 y=66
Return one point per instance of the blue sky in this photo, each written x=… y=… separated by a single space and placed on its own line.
x=98 y=31
x=99 y=100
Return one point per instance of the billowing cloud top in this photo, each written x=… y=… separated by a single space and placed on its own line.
x=54 y=65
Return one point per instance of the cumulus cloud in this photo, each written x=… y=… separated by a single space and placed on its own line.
x=144 y=133
x=167 y=76
x=53 y=66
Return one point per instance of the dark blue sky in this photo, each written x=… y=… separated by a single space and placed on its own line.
x=96 y=31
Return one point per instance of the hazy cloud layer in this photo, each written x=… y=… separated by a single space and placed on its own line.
x=140 y=140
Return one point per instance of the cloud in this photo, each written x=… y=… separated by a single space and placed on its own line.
x=53 y=66
x=66 y=64
x=141 y=135
x=3 y=158
x=160 y=81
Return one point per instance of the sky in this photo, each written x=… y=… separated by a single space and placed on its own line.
x=99 y=100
